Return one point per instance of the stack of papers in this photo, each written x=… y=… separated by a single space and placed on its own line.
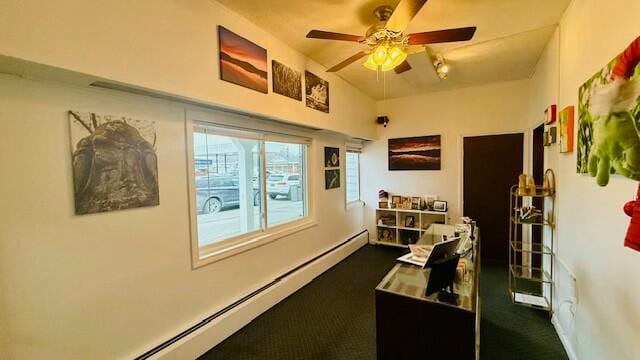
x=418 y=255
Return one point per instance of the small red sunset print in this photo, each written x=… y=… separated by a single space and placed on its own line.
x=241 y=61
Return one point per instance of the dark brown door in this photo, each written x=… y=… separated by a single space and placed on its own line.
x=491 y=166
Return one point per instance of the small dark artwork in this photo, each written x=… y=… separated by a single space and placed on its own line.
x=317 y=92
x=114 y=162
x=331 y=157
x=331 y=179
x=241 y=61
x=415 y=153
x=286 y=81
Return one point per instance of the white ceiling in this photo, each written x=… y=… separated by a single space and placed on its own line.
x=510 y=38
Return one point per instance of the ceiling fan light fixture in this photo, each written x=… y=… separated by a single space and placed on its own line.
x=380 y=55
x=385 y=58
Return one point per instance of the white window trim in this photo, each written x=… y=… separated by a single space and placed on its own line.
x=208 y=254
x=356 y=148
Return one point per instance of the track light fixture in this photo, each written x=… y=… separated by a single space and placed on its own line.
x=442 y=68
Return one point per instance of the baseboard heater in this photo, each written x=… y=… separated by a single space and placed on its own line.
x=238 y=302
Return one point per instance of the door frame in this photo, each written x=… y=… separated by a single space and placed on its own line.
x=526 y=156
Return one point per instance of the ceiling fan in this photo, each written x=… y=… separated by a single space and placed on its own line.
x=387 y=46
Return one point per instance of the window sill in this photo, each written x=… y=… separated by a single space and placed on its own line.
x=354 y=204
x=209 y=256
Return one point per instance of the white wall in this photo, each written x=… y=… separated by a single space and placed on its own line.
x=169 y=46
x=114 y=285
x=591 y=225
x=491 y=109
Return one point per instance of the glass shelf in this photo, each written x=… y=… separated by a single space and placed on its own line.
x=532 y=248
x=530 y=273
x=539 y=193
x=531 y=300
x=516 y=221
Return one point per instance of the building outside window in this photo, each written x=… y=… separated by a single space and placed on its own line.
x=244 y=184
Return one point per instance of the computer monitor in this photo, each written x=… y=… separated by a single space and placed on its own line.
x=442 y=250
x=443 y=273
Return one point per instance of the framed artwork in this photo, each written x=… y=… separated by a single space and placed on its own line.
x=546 y=139
x=428 y=200
x=415 y=153
x=608 y=109
x=566 y=117
x=241 y=61
x=286 y=81
x=550 y=115
x=386 y=235
x=553 y=135
x=409 y=221
x=395 y=201
x=332 y=179
x=405 y=203
x=416 y=203
x=114 y=162
x=316 y=92
x=331 y=157
x=440 y=205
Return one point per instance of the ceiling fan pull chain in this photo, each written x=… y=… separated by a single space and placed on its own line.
x=384 y=86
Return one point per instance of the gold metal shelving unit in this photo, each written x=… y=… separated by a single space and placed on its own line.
x=531 y=264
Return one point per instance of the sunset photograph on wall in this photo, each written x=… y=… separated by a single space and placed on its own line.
x=241 y=61
x=415 y=153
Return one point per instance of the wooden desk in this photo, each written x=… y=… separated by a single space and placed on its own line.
x=411 y=325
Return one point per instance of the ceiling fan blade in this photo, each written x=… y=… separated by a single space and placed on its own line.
x=440 y=36
x=327 y=35
x=403 y=14
x=404 y=66
x=348 y=61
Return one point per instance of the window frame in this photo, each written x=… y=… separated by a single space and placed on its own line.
x=353 y=148
x=225 y=124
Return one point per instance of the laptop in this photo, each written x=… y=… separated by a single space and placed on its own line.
x=425 y=257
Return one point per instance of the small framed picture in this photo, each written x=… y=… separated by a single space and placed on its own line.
x=386 y=235
x=416 y=203
x=410 y=221
x=428 y=201
x=440 y=205
x=406 y=203
x=331 y=157
x=383 y=205
x=395 y=201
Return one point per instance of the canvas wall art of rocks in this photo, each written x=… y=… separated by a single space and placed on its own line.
x=114 y=162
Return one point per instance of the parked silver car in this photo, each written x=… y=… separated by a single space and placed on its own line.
x=281 y=184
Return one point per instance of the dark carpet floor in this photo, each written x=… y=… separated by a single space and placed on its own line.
x=333 y=317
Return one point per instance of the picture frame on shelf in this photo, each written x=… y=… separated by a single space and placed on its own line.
x=440 y=206
x=428 y=201
x=416 y=203
x=395 y=201
x=409 y=221
x=383 y=204
x=406 y=203
x=386 y=235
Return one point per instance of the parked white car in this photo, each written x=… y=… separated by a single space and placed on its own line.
x=281 y=184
